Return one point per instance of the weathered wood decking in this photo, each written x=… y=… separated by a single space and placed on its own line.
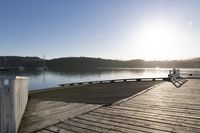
x=162 y=108
x=51 y=112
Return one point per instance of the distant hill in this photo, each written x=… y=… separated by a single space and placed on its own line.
x=69 y=63
x=194 y=59
x=85 y=62
x=17 y=61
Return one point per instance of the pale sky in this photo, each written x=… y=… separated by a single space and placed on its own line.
x=114 y=29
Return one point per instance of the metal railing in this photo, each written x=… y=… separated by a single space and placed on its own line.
x=13 y=100
x=174 y=73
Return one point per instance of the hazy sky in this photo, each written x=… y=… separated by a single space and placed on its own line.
x=116 y=29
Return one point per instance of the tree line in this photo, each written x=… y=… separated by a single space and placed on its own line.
x=68 y=63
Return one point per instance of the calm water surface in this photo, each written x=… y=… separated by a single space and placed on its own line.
x=47 y=79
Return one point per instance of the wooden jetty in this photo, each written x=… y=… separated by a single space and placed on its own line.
x=168 y=104
x=50 y=107
x=161 y=108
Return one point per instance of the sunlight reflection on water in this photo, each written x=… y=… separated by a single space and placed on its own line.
x=46 y=79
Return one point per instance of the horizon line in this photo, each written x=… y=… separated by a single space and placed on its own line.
x=189 y=58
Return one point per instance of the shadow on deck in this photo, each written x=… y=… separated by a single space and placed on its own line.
x=162 y=109
x=47 y=108
x=94 y=94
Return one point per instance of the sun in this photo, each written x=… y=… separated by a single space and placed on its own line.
x=156 y=39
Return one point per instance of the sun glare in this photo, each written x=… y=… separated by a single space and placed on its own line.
x=156 y=39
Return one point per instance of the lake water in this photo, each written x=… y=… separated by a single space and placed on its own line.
x=47 y=79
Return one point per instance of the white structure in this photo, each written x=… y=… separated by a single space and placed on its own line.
x=175 y=73
x=13 y=100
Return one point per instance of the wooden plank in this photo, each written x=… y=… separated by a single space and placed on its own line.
x=149 y=123
x=171 y=99
x=40 y=122
x=44 y=131
x=74 y=128
x=58 y=130
x=107 y=127
x=159 y=104
x=123 y=125
x=47 y=115
x=162 y=103
x=184 y=115
x=99 y=126
x=158 y=120
x=102 y=126
x=167 y=109
x=91 y=128
x=141 y=122
x=154 y=116
x=42 y=114
x=47 y=106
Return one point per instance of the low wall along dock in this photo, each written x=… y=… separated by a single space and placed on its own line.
x=14 y=97
x=116 y=81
